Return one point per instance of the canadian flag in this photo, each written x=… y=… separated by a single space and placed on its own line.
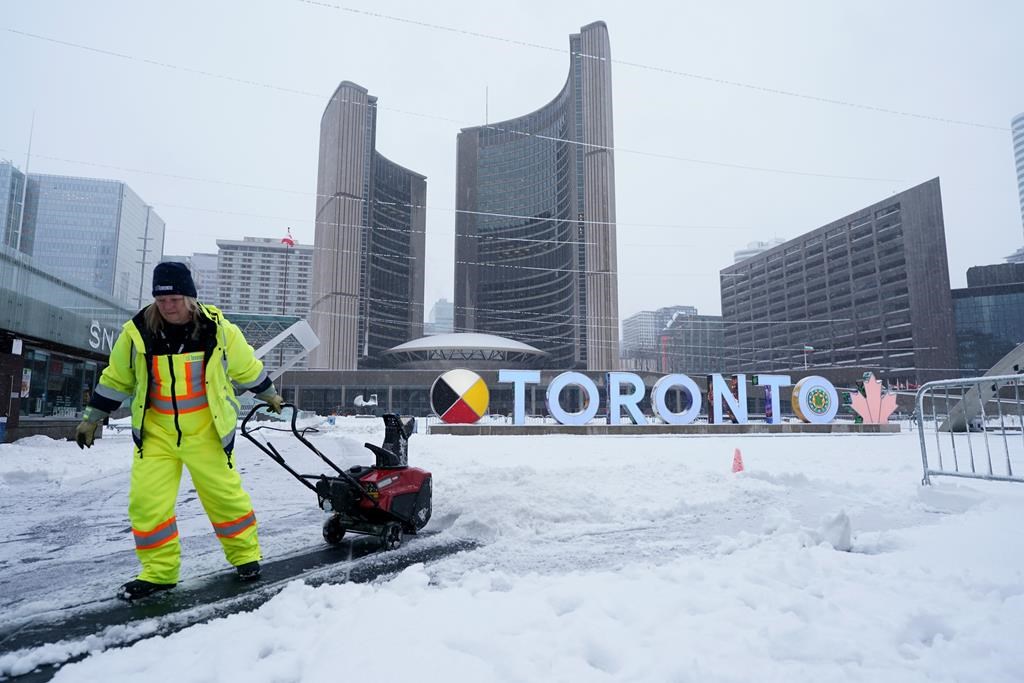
x=288 y=239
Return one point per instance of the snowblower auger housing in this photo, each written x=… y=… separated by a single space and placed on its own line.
x=387 y=499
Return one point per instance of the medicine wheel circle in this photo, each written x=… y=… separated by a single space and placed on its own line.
x=459 y=397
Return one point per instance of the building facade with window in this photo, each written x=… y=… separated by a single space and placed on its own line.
x=97 y=233
x=989 y=315
x=370 y=243
x=641 y=332
x=868 y=290
x=263 y=275
x=441 y=318
x=691 y=344
x=55 y=337
x=535 y=249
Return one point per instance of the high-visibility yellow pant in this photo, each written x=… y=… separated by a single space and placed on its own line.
x=156 y=477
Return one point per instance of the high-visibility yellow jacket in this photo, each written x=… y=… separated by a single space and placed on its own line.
x=228 y=359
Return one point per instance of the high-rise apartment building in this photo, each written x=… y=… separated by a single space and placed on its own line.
x=868 y=290
x=87 y=231
x=263 y=275
x=370 y=244
x=535 y=251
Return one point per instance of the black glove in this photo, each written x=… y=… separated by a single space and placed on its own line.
x=85 y=433
x=274 y=403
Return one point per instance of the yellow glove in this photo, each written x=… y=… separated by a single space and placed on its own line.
x=85 y=433
x=274 y=403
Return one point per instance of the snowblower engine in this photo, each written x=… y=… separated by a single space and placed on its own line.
x=385 y=499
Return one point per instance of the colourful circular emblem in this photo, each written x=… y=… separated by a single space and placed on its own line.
x=815 y=400
x=459 y=397
x=818 y=401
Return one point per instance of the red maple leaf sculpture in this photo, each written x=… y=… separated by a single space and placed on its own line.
x=873 y=407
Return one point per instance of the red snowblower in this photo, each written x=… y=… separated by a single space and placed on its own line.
x=387 y=499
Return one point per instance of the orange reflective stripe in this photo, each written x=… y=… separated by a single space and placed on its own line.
x=154 y=388
x=235 y=526
x=193 y=399
x=164 y=533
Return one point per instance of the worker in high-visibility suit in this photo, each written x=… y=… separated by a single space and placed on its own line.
x=176 y=360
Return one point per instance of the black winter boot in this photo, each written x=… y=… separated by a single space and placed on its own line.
x=138 y=589
x=250 y=571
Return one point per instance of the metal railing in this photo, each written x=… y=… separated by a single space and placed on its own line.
x=984 y=420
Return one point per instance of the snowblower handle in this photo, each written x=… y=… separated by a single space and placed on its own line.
x=267 y=447
x=256 y=408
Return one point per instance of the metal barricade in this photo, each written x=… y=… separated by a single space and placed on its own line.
x=984 y=420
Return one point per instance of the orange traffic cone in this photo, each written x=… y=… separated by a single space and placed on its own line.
x=737 y=461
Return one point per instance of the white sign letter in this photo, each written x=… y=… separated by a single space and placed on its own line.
x=738 y=403
x=630 y=401
x=519 y=379
x=660 y=392
x=772 y=383
x=554 y=394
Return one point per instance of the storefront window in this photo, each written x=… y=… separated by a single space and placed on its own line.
x=55 y=385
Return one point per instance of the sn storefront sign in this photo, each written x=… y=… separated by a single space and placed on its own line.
x=815 y=399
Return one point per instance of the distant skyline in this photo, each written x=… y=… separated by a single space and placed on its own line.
x=730 y=122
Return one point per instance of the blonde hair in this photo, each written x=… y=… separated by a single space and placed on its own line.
x=155 y=321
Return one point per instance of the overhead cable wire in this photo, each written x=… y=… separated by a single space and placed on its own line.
x=244 y=81
x=379 y=202
x=658 y=69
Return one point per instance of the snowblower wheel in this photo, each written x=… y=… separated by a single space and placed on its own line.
x=391 y=537
x=333 y=530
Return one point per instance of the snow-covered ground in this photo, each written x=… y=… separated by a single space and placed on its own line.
x=600 y=559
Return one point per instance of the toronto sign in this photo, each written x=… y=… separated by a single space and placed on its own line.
x=461 y=396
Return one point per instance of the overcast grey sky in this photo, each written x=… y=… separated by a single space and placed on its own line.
x=206 y=97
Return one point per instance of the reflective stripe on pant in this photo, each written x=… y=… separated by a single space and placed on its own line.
x=154 y=490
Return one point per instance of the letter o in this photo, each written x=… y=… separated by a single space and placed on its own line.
x=660 y=392
x=554 y=394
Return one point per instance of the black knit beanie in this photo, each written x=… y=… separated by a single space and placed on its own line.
x=173 y=278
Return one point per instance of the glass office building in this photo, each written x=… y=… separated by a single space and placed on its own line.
x=535 y=251
x=870 y=290
x=96 y=233
x=691 y=344
x=989 y=315
x=370 y=241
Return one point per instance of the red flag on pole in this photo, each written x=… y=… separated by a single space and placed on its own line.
x=289 y=240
